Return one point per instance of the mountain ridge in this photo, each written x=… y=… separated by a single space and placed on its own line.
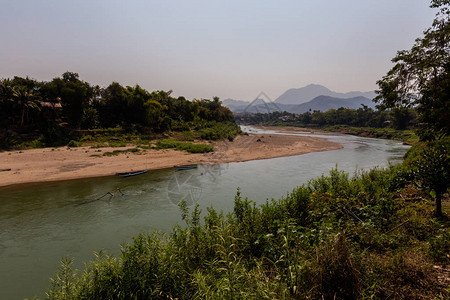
x=311 y=91
x=324 y=103
x=292 y=100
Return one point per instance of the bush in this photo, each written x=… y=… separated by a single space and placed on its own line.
x=184 y=146
x=337 y=276
x=217 y=131
x=72 y=143
x=56 y=135
x=334 y=238
x=117 y=152
x=439 y=246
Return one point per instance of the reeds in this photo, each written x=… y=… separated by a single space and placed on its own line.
x=334 y=238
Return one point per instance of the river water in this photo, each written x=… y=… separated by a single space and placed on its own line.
x=42 y=223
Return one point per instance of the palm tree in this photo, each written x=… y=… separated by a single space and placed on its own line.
x=26 y=100
x=5 y=90
x=6 y=102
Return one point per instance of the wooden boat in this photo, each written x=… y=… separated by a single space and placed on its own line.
x=185 y=167
x=132 y=173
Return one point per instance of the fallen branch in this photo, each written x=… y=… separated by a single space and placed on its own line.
x=352 y=214
x=399 y=225
x=108 y=193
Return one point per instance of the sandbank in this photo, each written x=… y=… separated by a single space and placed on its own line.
x=62 y=163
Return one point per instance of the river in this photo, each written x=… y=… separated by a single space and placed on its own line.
x=42 y=223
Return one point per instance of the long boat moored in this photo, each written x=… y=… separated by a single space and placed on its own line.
x=132 y=173
x=185 y=167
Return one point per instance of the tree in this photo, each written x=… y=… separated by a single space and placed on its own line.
x=401 y=116
x=113 y=105
x=136 y=98
x=421 y=76
x=70 y=77
x=75 y=96
x=6 y=90
x=156 y=116
x=26 y=100
x=432 y=170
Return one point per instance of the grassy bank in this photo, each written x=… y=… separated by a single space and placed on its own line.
x=407 y=136
x=372 y=235
x=119 y=137
x=186 y=146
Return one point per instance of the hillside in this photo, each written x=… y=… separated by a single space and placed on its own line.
x=324 y=103
x=321 y=103
x=309 y=92
x=290 y=100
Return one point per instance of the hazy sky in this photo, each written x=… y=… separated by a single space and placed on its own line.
x=231 y=49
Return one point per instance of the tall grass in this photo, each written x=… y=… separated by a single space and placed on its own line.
x=335 y=237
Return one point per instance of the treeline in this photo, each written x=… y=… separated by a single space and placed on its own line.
x=397 y=118
x=57 y=107
x=367 y=237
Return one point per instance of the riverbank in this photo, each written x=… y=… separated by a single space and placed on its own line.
x=53 y=164
x=405 y=136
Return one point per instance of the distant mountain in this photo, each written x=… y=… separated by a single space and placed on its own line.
x=231 y=102
x=324 y=103
x=309 y=92
x=235 y=105
x=292 y=101
x=258 y=105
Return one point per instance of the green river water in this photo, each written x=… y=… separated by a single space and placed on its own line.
x=42 y=223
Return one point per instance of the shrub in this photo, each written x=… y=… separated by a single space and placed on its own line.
x=337 y=277
x=333 y=238
x=439 y=246
x=117 y=152
x=72 y=143
x=217 y=131
x=184 y=146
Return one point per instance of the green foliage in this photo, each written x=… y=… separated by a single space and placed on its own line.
x=361 y=117
x=421 y=77
x=395 y=124
x=336 y=237
x=72 y=143
x=439 y=246
x=184 y=146
x=60 y=107
x=75 y=95
x=431 y=168
x=90 y=118
x=407 y=136
x=217 y=131
x=64 y=285
x=117 y=152
x=56 y=135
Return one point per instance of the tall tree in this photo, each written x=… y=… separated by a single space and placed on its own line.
x=421 y=76
x=26 y=100
x=113 y=105
x=75 y=96
x=432 y=170
x=6 y=90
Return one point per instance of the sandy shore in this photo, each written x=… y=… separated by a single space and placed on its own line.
x=294 y=129
x=52 y=164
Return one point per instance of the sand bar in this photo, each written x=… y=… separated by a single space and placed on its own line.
x=52 y=164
